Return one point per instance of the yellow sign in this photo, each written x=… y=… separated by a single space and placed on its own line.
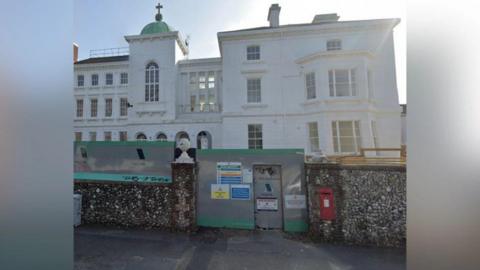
x=220 y=191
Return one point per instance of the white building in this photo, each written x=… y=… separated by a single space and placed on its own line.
x=327 y=85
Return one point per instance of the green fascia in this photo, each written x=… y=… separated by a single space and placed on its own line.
x=250 y=151
x=125 y=178
x=127 y=143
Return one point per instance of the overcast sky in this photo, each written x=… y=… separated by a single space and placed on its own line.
x=103 y=24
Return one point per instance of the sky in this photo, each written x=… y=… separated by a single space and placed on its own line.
x=103 y=24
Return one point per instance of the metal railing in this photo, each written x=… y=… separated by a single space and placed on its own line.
x=199 y=108
x=362 y=159
x=109 y=52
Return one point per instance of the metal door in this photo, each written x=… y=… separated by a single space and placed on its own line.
x=268 y=196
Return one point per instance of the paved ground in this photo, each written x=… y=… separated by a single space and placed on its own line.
x=119 y=249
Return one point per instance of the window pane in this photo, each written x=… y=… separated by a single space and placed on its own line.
x=310 y=84
x=255 y=136
x=334 y=45
x=353 y=82
x=253 y=52
x=80 y=80
x=93 y=108
x=123 y=106
x=313 y=136
x=343 y=89
x=80 y=108
x=347 y=144
x=253 y=90
x=108 y=107
x=331 y=83
x=109 y=79
x=345 y=128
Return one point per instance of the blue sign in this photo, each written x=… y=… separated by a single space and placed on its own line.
x=240 y=192
x=229 y=173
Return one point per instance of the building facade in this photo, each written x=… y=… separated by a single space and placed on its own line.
x=327 y=85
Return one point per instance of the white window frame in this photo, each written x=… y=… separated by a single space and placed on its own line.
x=109 y=81
x=356 y=136
x=253 y=52
x=352 y=82
x=152 y=85
x=82 y=80
x=202 y=80
x=313 y=136
x=123 y=78
x=310 y=85
x=254 y=137
x=108 y=107
x=93 y=109
x=94 y=79
x=79 y=109
x=254 y=95
x=211 y=80
x=202 y=96
x=123 y=106
x=334 y=45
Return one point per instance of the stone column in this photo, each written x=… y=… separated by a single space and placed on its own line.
x=184 y=182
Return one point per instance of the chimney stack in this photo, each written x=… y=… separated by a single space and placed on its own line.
x=274 y=15
x=75 y=52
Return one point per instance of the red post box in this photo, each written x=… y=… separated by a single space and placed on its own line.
x=327 y=206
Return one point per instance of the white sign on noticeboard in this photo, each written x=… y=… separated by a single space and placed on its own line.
x=247 y=176
x=295 y=202
x=267 y=204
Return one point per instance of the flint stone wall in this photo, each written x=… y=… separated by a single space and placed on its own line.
x=148 y=205
x=370 y=204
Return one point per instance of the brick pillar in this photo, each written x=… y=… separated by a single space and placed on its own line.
x=184 y=181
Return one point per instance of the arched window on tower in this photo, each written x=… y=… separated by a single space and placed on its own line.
x=151 y=82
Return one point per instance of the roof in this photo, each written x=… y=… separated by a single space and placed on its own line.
x=155 y=28
x=95 y=60
x=286 y=26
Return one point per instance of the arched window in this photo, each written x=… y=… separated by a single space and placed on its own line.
x=181 y=135
x=151 y=82
x=161 y=137
x=141 y=137
x=204 y=140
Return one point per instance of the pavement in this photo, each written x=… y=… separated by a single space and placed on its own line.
x=105 y=248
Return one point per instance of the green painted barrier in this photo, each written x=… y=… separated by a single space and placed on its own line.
x=225 y=223
x=295 y=226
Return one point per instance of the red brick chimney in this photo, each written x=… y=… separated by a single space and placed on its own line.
x=75 y=52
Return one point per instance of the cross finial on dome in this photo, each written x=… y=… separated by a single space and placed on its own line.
x=158 y=17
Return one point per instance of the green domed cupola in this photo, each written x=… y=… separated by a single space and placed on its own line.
x=158 y=26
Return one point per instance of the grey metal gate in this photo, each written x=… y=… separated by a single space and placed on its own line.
x=268 y=196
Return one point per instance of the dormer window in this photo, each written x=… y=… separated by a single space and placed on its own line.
x=151 y=82
x=253 y=52
x=334 y=45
